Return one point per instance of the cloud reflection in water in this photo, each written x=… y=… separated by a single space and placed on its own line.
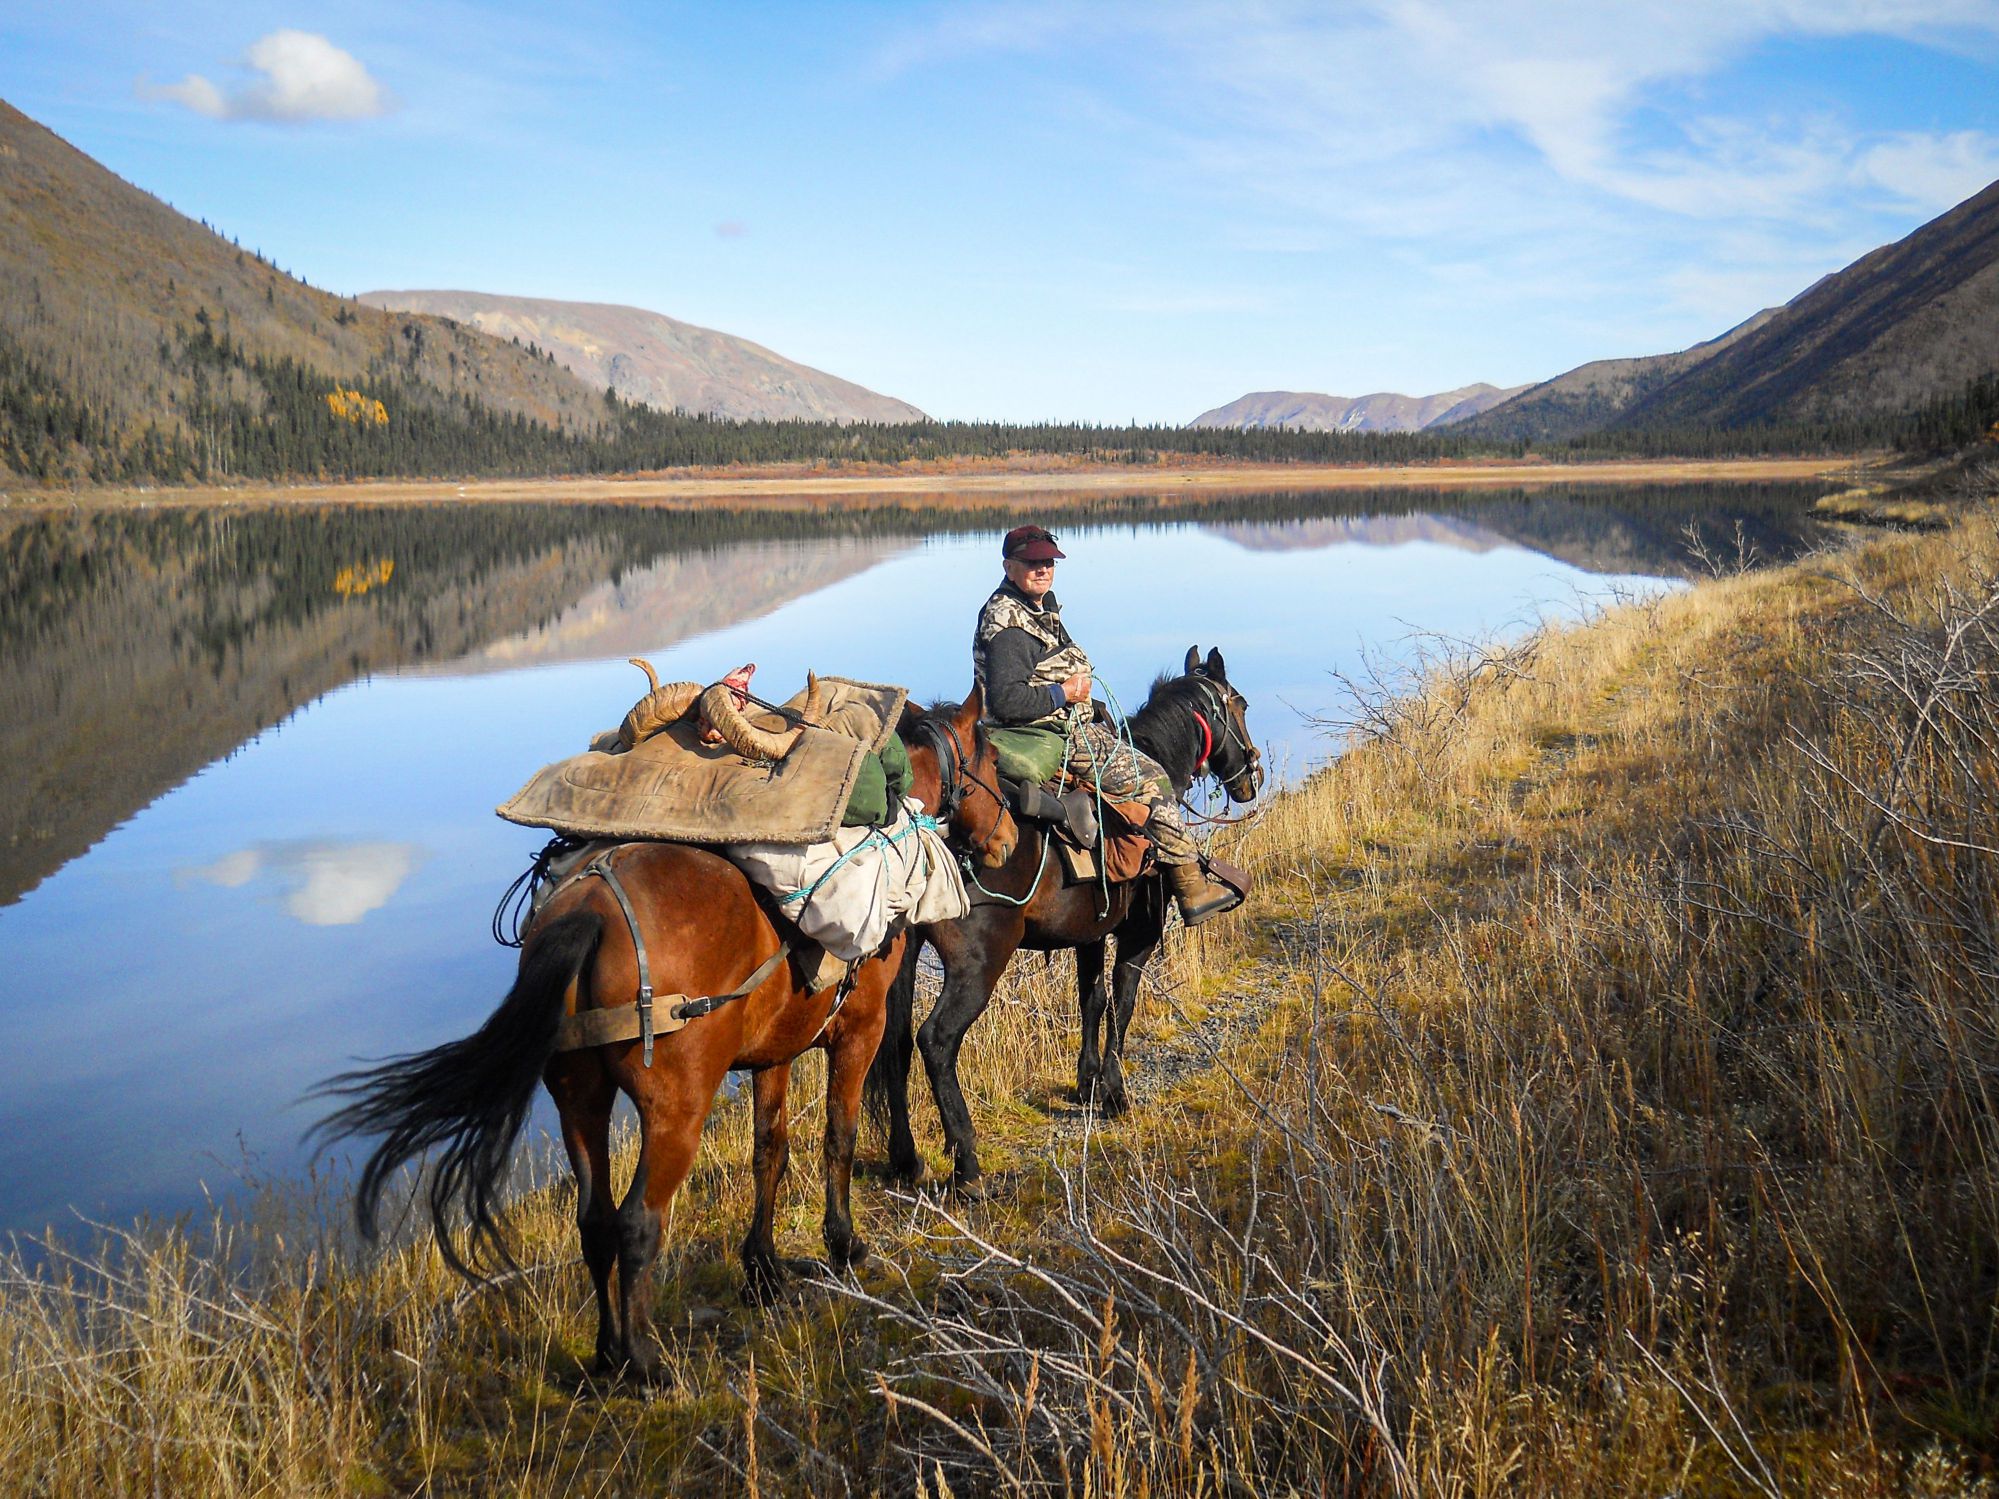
x=324 y=882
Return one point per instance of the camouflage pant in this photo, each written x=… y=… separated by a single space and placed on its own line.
x=1099 y=757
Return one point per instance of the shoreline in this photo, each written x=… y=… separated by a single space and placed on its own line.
x=818 y=489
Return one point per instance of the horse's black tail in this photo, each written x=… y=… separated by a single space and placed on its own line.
x=469 y=1096
x=891 y=1063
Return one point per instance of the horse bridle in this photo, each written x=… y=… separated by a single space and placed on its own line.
x=1235 y=733
x=955 y=771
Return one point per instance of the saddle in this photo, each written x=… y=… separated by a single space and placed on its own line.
x=1118 y=852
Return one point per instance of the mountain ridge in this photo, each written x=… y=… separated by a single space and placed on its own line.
x=661 y=361
x=1381 y=411
x=1593 y=395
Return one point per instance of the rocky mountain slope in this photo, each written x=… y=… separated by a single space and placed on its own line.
x=648 y=357
x=124 y=308
x=1904 y=324
x=1384 y=411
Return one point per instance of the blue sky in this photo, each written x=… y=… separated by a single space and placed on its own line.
x=1074 y=211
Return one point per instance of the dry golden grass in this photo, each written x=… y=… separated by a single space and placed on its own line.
x=1620 y=1120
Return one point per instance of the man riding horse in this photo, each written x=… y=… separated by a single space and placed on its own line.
x=1034 y=675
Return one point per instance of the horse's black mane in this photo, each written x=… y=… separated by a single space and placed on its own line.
x=940 y=712
x=1164 y=727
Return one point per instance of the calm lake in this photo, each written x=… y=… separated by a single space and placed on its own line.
x=250 y=758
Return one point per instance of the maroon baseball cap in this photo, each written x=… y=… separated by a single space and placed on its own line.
x=1031 y=544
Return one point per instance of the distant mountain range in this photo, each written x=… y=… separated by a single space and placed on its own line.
x=646 y=356
x=1384 y=411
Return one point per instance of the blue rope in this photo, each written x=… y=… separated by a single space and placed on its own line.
x=918 y=821
x=1007 y=900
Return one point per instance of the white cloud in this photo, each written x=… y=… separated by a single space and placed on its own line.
x=322 y=883
x=196 y=92
x=1931 y=171
x=1332 y=95
x=293 y=76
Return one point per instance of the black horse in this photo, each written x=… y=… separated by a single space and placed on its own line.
x=1192 y=724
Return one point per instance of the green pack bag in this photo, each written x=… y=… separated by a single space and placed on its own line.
x=1029 y=756
x=883 y=779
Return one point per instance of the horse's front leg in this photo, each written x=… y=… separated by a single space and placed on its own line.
x=584 y=1094
x=888 y=1075
x=1137 y=940
x=856 y=1035
x=770 y=1157
x=973 y=961
x=1090 y=997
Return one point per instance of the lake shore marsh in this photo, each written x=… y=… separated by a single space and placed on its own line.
x=1601 y=1103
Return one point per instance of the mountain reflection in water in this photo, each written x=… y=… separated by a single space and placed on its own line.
x=137 y=647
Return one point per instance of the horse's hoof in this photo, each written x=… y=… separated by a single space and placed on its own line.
x=968 y=1189
x=852 y=1256
x=643 y=1366
x=766 y=1281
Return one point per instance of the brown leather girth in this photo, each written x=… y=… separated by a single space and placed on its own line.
x=625 y=1023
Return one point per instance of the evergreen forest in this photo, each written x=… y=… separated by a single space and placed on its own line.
x=252 y=416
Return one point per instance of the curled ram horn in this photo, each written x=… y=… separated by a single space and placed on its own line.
x=718 y=705
x=658 y=708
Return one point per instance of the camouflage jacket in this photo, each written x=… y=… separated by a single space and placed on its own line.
x=1060 y=658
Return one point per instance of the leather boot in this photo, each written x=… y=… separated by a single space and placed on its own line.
x=1199 y=897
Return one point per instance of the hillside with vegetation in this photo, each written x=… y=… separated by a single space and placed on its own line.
x=1911 y=322
x=1594 y=1099
x=132 y=339
x=1593 y=396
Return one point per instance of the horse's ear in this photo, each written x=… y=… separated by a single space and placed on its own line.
x=1193 y=660
x=1215 y=668
x=971 y=710
x=906 y=725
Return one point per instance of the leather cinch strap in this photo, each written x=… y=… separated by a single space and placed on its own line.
x=605 y=1027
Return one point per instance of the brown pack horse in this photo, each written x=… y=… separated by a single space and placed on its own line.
x=705 y=932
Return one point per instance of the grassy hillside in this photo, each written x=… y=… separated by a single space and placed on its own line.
x=1599 y=1102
